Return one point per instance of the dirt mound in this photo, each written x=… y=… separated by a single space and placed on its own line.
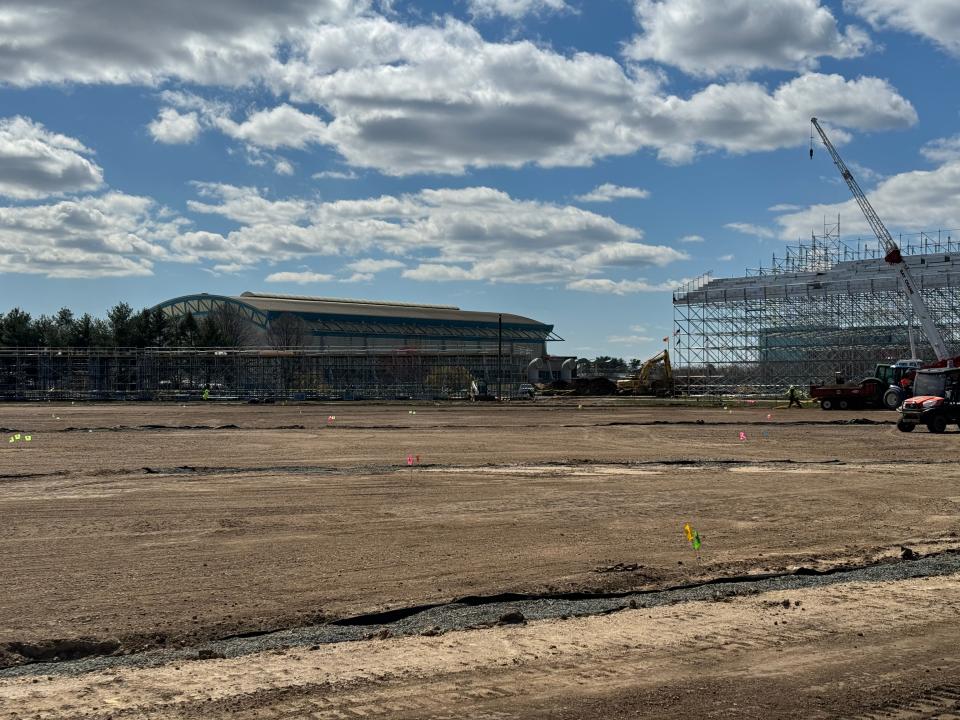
x=585 y=386
x=17 y=653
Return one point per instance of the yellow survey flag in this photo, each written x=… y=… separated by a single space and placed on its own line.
x=689 y=531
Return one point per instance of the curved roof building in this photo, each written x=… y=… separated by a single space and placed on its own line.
x=340 y=324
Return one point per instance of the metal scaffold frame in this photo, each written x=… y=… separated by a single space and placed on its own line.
x=826 y=306
x=250 y=373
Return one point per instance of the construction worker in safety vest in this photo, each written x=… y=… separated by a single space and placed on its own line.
x=793 y=397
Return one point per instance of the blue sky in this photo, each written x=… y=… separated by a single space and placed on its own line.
x=562 y=159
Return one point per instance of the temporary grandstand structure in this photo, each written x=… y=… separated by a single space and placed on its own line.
x=826 y=306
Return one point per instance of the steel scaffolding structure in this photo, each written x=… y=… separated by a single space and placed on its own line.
x=292 y=374
x=826 y=306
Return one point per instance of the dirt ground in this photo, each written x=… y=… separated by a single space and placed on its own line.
x=857 y=650
x=149 y=525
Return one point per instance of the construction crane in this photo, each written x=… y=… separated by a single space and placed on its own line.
x=890 y=247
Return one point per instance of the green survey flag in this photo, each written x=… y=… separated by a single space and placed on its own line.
x=696 y=540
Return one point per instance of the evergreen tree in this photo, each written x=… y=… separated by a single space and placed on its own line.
x=65 y=327
x=188 y=331
x=100 y=335
x=210 y=335
x=141 y=329
x=120 y=319
x=18 y=330
x=160 y=327
x=82 y=332
x=46 y=329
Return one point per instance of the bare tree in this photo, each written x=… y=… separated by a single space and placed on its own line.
x=233 y=329
x=287 y=331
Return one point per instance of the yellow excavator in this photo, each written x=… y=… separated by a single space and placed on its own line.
x=655 y=377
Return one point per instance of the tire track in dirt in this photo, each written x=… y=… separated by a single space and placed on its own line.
x=483 y=611
x=344 y=425
x=516 y=672
x=557 y=468
x=939 y=703
x=592 y=675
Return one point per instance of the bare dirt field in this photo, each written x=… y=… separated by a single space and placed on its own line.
x=135 y=527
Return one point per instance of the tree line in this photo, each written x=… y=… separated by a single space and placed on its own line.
x=124 y=327
x=224 y=327
x=605 y=363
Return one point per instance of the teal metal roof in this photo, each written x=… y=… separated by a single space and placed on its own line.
x=336 y=316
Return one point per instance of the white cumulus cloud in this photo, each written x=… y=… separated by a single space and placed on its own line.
x=751 y=229
x=514 y=8
x=607 y=286
x=174 y=128
x=283 y=166
x=335 y=175
x=217 y=42
x=441 y=99
x=371 y=266
x=909 y=201
x=608 y=192
x=476 y=233
x=36 y=163
x=434 y=97
x=941 y=150
x=629 y=339
x=713 y=37
x=300 y=278
x=281 y=126
x=936 y=20
x=111 y=235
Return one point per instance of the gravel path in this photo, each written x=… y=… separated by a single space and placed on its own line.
x=481 y=612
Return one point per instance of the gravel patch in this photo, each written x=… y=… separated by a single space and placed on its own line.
x=480 y=612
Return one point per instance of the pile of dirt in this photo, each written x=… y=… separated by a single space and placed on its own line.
x=17 y=653
x=583 y=386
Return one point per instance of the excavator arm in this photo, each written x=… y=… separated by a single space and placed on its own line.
x=643 y=376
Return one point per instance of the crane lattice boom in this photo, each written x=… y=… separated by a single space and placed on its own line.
x=890 y=247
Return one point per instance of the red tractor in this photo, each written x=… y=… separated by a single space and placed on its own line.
x=884 y=389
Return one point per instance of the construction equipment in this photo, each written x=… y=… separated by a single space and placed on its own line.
x=646 y=381
x=873 y=391
x=895 y=394
x=935 y=403
x=893 y=256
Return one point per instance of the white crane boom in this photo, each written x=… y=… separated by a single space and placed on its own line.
x=892 y=256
